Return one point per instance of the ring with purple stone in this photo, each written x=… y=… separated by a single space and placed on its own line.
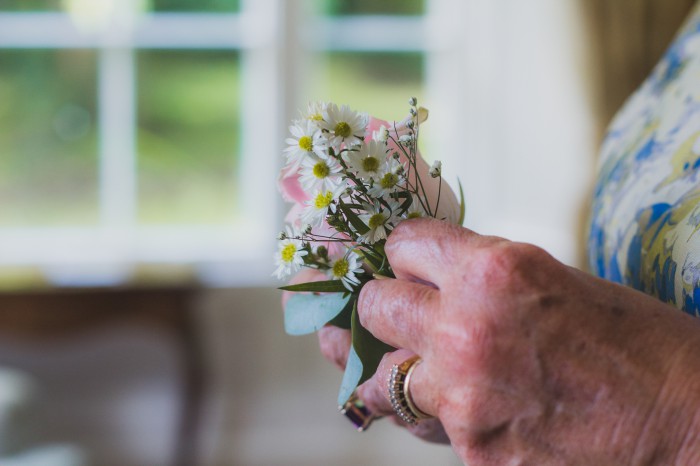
x=356 y=411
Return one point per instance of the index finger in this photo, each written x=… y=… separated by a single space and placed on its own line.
x=398 y=312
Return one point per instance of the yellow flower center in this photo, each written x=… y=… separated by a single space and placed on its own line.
x=414 y=215
x=370 y=164
x=316 y=117
x=323 y=200
x=288 y=252
x=389 y=180
x=343 y=130
x=321 y=170
x=306 y=143
x=376 y=220
x=341 y=268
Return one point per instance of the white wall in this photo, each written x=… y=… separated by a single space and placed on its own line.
x=511 y=115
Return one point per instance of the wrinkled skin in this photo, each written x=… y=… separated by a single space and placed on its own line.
x=528 y=361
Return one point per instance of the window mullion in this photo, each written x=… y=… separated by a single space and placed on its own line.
x=262 y=111
x=117 y=138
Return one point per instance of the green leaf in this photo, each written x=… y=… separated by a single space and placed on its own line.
x=354 y=206
x=369 y=256
x=307 y=313
x=462 y=205
x=344 y=317
x=328 y=286
x=368 y=348
x=354 y=220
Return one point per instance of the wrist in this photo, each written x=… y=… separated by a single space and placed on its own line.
x=671 y=435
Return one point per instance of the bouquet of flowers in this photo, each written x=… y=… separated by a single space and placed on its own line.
x=353 y=179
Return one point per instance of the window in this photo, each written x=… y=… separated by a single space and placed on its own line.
x=142 y=138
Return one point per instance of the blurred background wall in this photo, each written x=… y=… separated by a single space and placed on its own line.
x=139 y=145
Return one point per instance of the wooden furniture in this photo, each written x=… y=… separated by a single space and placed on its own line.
x=42 y=317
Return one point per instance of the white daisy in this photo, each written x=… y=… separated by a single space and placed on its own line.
x=381 y=135
x=320 y=174
x=306 y=140
x=314 y=112
x=388 y=180
x=380 y=221
x=289 y=256
x=343 y=126
x=415 y=210
x=345 y=268
x=367 y=162
x=320 y=204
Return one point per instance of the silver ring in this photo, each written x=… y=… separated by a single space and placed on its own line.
x=399 y=393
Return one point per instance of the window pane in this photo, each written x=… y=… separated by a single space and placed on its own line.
x=377 y=83
x=188 y=136
x=49 y=165
x=373 y=7
x=195 y=5
x=30 y=5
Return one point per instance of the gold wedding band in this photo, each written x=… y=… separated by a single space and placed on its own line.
x=399 y=393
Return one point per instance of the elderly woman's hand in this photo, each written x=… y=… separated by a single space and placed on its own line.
x=528 y=361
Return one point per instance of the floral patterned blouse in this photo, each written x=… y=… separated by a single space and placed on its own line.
x=645 y=221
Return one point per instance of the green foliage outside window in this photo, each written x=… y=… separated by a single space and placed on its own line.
x=48 y=166
x=373 y=7
x=188 y=136
x=194 y=5
x=30 y=5
x=387 y=81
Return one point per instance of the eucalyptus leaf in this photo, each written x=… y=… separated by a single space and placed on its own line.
x=351 y=377
x=344 y=317
x=328 y=286
x=307 y=313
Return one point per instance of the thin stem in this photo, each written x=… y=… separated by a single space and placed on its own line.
x=437 y=204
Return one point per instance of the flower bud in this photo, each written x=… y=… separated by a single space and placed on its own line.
x=412 y=101
x=436 y=169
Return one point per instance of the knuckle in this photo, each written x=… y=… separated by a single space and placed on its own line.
x=334 y=344
x=366 y=301
x=414 y=230
x=507 y=262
